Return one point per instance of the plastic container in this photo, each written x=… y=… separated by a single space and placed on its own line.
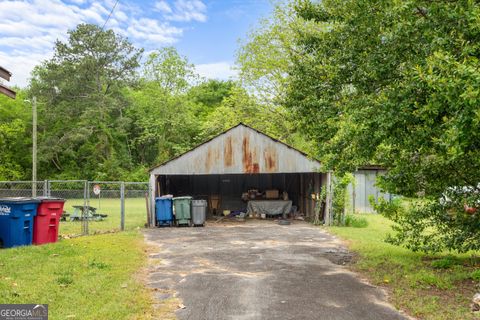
x=47 y=220
x=163 y=211
x=199 y=212
x=182 y=210
x=16 y=221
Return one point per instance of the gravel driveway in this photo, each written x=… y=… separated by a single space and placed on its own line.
x=260 y=270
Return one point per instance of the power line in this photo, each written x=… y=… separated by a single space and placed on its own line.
x=105 y=23
x=110 y=14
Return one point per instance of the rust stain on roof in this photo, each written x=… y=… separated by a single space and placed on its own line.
x=271 y=159
x=250 y=161
x=209 y=161
x=228 y=158
x=240 y=149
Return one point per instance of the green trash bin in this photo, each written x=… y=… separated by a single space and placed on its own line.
x=182 y=210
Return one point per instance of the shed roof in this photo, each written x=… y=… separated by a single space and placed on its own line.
x=239 y=150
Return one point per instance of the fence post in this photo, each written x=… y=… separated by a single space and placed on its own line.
x=151 y=196
x=122 y=206
x=86 y=203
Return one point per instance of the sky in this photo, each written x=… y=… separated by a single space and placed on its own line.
x=205 y=31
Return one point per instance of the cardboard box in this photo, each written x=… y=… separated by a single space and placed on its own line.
x=271 y=194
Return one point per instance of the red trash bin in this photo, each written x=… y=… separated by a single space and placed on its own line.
x=45 y=225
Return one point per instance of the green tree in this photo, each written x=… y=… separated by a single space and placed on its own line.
x=15 y=138
x=240 y=106
x=396 y=84
x=82 y=127
x=264 y=60
x=208 y=96
x=170 y=71
x=164 y=123
x=264 y=57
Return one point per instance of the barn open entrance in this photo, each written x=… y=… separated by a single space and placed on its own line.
x=231 y=190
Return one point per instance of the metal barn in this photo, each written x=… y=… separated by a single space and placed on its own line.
x=237 y=160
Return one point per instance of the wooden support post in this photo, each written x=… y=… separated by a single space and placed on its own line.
x=302 y=197
x=317 y=189
x=328 y=200
x=147 y=200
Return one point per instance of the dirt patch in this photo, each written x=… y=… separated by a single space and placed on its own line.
x=340 y=257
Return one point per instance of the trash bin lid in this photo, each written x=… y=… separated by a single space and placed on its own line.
x=50 y=199
x=199 y=202
x=183 y=198
x=168 y=197
x=19 y=200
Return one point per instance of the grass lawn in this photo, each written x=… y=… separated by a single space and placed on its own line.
x=95 y=277
x=425 y=286
x=135 y=215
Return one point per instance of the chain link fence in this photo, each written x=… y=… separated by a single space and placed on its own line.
x=91 y=206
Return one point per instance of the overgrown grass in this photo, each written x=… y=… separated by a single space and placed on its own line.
x=135 y=215
x=94 y=277
x=426 y=286
x=355 y=221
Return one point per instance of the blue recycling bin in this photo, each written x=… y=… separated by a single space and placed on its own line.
x=163 y=211
x=16 y=221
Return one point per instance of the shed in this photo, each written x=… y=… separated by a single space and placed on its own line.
x=238 y=160
x=364 y=187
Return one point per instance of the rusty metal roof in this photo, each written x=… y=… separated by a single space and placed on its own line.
x=239 y=150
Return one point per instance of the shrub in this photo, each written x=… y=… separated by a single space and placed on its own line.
x=445 y=263
x=475 y=275
x=355 y=222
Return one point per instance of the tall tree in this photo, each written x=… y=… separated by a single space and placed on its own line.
x=15 y=138
x=163 y=117
x=208 y=95
x=241 y=106
x=396 y=83
x=265 y=59
x=82 y=85
x=170 y=71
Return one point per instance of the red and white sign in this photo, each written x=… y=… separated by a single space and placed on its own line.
x=96 y=189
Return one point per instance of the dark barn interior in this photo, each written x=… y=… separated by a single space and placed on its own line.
x=230 y=187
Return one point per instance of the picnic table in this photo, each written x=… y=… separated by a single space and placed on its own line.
x=89 y=214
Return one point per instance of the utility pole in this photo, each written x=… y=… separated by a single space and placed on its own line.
x=34 y=148
x=34 y=145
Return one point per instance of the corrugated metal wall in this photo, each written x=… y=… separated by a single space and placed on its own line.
x=240 y=150
x=364 y=187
